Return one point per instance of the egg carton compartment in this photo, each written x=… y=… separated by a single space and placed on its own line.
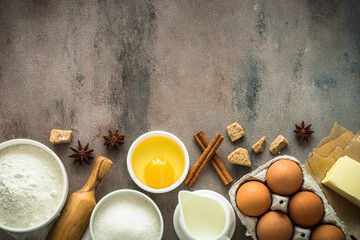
x=280 y=203
x=301 y=233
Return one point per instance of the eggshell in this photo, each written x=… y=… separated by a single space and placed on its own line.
x=306 y=209
x=274 y=226
x=284 y=177
x=327 y=232
x=253 y=198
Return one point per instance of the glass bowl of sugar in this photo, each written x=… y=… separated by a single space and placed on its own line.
x=126 y=214
x=33 y=186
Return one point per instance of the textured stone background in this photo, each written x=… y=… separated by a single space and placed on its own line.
x=178 y=66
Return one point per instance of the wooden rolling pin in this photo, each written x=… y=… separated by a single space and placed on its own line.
x=77 y=211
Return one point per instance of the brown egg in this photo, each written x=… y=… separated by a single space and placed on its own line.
x=253 y=198
x=327 y=232
x=305 y=209
x=284 y=177
x=274 y=226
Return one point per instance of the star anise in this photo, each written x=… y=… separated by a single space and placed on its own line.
x=82 y=154
x=114 y=139
x=302 y=131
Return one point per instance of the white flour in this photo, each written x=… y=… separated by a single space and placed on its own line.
x=126 y=218
x=31 y=186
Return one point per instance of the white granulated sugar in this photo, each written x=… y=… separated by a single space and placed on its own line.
x=31 y=186
x=126 y=217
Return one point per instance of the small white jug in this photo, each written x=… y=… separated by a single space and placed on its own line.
x=203 y=217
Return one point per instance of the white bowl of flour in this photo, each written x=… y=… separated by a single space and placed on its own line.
x=127 y=215
x=33 y=185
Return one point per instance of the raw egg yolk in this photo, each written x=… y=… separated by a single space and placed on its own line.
x=159 y=174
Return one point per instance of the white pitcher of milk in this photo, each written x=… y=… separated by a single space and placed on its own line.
x=203 y=217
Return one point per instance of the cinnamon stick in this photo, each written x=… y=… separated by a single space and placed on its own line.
x=219 y=172
x=207 y=159
x=203 y=159
x=216 y=162
x=213 y=163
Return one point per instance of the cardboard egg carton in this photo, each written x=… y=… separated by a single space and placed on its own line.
x=280 y=203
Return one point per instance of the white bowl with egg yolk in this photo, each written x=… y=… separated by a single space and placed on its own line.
x=147 y=171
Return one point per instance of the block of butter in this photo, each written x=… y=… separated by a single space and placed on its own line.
x=344 y=178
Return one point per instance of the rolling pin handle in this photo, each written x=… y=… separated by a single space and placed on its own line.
x=101 y=167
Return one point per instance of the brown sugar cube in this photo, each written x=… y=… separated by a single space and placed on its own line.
x=235 y=131
x=259 y=146
x=240 y=156
x=60 y=136
x=278 y=144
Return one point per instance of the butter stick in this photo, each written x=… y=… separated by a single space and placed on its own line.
x=344 y=178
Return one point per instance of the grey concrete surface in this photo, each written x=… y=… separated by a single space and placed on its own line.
x=178 y=66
